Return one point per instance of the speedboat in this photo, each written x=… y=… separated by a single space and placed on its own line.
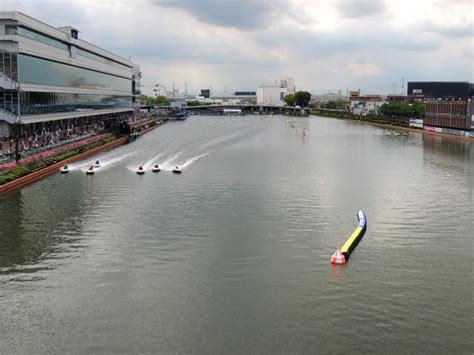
x=177 y=170
x=156 y=169
x=90 y=171
x=97 y=164
x=140 y=170
x=64 y=169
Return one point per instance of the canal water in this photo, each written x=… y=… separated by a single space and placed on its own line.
x=232 y=256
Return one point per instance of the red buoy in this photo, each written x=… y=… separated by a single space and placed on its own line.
x=338 y=257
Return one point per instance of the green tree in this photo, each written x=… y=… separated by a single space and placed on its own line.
x=403 y=109
x=302 y=98
x=161 y=100
x=335 y=105
x=419 y=109
x=290 y=100
x=150 y=100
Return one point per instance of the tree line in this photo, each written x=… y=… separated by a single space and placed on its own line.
x=403 y=109
x=150 y=100
x=396 y=109
x=299 y=98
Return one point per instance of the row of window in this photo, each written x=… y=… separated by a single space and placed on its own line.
x=9 y=64
x=35 y=36
x=45 y=72
x=32 y=103
x=9 y=100
x=98 y=58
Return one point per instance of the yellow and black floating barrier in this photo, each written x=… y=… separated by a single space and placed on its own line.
x=341 y=255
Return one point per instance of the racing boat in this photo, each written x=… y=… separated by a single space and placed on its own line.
x=64 y=169
x=97 y=164
x=177 y=170
x=156 y=169
x=90 y=171
x=140 y=170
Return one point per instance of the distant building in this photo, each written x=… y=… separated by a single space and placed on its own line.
x=289 y=83
x=449 y=105
x=366 y=105
x=354 y=93
x=401 y=98
x=245 y=93
x=160 y=90
x=275 y=94
x=324 y=98
x=206 y=93
x=271 y=95
x=440 y=89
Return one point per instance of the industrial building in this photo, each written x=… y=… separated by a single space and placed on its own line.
x=449 y=105
x=49 y=74
x=366 y=105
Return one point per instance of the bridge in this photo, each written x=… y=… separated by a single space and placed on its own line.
x=245 y=108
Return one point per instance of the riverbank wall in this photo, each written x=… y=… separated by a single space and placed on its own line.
x=395 y=123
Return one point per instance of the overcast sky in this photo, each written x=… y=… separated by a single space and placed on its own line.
x=325 y=45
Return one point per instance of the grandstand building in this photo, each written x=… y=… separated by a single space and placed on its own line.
x=48 y=75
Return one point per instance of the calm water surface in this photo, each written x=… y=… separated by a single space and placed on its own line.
x=232 y=256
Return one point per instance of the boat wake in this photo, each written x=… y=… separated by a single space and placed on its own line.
x=188 y=162
x=104 y=163
x=170 y=163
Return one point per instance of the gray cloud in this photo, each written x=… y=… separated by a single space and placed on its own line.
x=461 y=30
x=360 y=8
x=303 y=42
x=241 y=14
x=173 y=42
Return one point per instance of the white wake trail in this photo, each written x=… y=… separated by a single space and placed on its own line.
x=192 y=160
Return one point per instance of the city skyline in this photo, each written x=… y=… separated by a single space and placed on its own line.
x=324 y=45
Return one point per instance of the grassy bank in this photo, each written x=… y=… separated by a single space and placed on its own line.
x=26 y=169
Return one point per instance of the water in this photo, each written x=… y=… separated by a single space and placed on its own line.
x=232 y=256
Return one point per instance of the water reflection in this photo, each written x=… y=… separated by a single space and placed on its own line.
x=38 y=221
x=448 y=146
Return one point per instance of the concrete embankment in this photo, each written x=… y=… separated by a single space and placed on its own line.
x=54 y=168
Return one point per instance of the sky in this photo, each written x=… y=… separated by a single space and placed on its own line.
x=234 y=45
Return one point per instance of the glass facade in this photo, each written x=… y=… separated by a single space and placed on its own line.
x=45 y=72
x=73 y=50
x=35 y=36
x=9 y=100
x=99 y=58
x=32 y=103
